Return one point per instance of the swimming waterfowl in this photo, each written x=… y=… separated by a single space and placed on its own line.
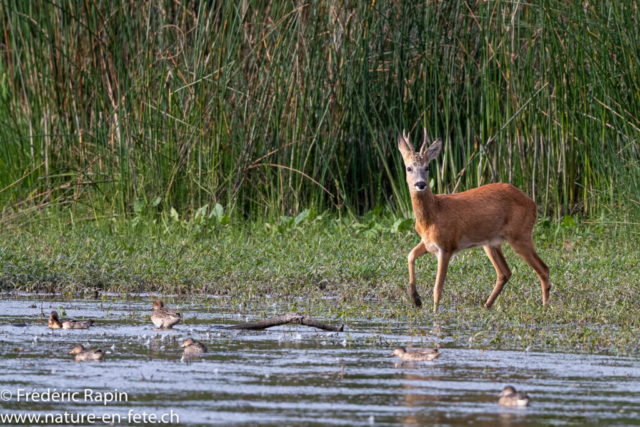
x=83 y=355
x=509 y=397
x=164 y=317
x=193 y=347
x=416 y=355
x=56 y=323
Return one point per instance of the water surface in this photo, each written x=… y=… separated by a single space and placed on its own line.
x=295 y=375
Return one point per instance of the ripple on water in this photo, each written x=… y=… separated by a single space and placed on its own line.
x=296 y=375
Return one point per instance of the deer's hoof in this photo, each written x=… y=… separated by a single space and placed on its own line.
x=417 y=302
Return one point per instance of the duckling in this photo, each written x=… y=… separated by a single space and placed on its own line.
x=509 y=397
x=83 y=355
x=57 y=323
x=192 y=347
x=416 y=355
x=164 y=317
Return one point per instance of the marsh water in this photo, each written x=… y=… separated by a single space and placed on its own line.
x=289 y=375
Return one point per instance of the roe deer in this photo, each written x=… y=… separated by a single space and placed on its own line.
x=485 y=216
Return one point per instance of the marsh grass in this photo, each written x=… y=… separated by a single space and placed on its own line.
x=338 y=269
x=276 y=107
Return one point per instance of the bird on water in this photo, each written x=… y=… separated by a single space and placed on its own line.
x=420 y=355
x=164 y=317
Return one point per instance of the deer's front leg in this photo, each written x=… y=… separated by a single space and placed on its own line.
x=416 y=253
x=443 y=264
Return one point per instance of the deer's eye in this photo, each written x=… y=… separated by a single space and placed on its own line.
x=427 y=169
x=409 y=169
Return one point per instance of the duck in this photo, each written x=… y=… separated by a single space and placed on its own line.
x=56 y=323
x=192 y=347
x=510 y=397
x=164 y=317
x=420 y=355
x=83 y=355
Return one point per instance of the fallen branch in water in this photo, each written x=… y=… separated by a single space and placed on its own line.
x=294 y=318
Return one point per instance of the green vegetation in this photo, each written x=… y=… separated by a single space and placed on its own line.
x=278 y=107
x=189 y=147
x=340 y=269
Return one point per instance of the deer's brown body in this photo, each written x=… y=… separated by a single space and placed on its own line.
x=486 y=216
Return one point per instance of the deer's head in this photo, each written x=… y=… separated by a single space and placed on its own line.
x=417 y=164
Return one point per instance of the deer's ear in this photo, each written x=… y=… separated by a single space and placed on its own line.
x=405 y=147
x=434 y=149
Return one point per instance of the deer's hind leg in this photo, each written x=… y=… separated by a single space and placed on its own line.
x=527 y=252
x=502 y=270
x=415 y=253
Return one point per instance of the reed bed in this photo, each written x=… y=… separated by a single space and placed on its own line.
x=270 y=108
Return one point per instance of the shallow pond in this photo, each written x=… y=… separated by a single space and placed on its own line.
x=289 y=375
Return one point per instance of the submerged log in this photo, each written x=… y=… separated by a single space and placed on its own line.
x=293 y=318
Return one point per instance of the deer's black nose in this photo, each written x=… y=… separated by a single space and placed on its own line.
x=421 y=185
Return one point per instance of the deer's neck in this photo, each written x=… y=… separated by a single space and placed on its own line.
x=424 y=204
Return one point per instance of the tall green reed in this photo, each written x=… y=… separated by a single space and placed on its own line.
x=273 y=107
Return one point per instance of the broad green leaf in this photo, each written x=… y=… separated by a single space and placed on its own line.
x=174 y=214
x=138 y=206
x=301 y=217
x=219 y=210
x=202 y=212
x=287 y=220
x=402 y=225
